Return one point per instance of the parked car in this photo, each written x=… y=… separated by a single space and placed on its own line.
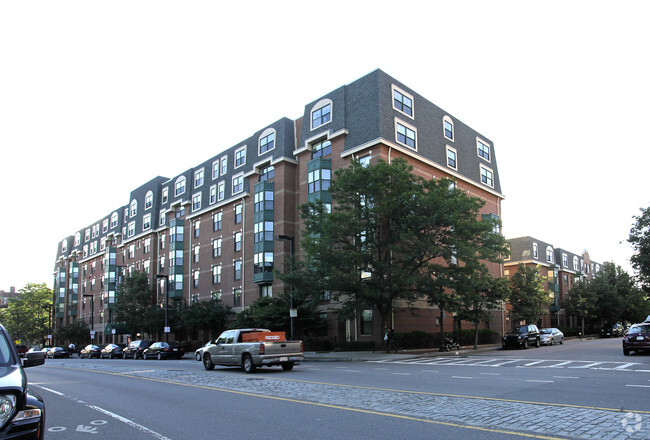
x=112 y=351
x=21 y=349
x=637 y=338
x=198 y=354
x=612 y=330
x=135 y=349
x=58 y=352
x=522 y=336
x=91 y=351
x=550 y=336
x=164 y=350
x=22 y=414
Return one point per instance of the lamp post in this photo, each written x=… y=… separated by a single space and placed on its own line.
x=164 y=277
x=92 y=313
x=292 y=312
x=49 y=308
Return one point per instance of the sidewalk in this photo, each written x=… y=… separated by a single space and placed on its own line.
x=381 y=355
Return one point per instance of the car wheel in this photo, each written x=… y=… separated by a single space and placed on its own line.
x=110 y=355
x=160 y=356
x=537 y=343
x=526 y=344
x=198 y=357
x=562 y=340
x=247 y=364
x=551 y=342
x=123 y=355
x=626 y=351
x=207 y=362
x=287 y=366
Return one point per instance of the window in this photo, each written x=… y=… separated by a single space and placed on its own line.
x=451 y=158
x=576 y=266
x=64 y=246
x=216 y=221
x=197 y=228
x=224 y=165
x=105 y=225
x=216 y=247
x=196 y=253
x=365 y=161
x=216 y=274
x=132 y=251
x=236 y=297
x=448 y=128
x=321 y=149
x=402 y=102
x=322 y=115
x=535 y=251
x=147 y=245
x=221 y=190
x=405 y=135
x=238 y=213
x=263 y=231
x=179 y=188
x=195 y=277
x=487 y=177
x=114 y=220
x=77 y=239
x=319 y=180
x=267 y=173
x=565 y=260
x=549 y=254
x=148 y=200
x=267 y=142
x=215 y=169
x=165 y=195
x=237 y=266
x=133 y=209
x=146 y=222
x=483 y=149
x=263 y=262
x=237 y=183
x=196 y=202
x=213 y=194
x=198 y=178
x=265 y=290
x=366 y=322
x=238 y=237
x=240 y=157
x=130 y=229
x=162 y=217
x=263 y=201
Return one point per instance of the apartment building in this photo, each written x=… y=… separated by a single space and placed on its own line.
x=211 y=231
x=561 y=267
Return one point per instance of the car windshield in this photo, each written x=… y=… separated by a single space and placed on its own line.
x=640 y=329
x=546 y=331
x=5 y=351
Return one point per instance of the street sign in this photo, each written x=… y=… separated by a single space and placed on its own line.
x=113 y=331
x=168 y=330
x=92 y=333
x=293 y=313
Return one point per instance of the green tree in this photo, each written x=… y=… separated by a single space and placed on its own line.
x=616 y=294
x=581 y=302
x=136 y=306
x=391 y=235
x=27 y=315
x=478 y=294
x=528 y=297
x=210 y=315
x=640 y=240
x=77 y=333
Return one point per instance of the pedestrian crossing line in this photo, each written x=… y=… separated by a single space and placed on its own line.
x=533 y=363
x=561 y=364
x=593 y=364
x=503 y=363
x=624 y=366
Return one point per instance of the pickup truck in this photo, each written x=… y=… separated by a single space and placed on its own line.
x=251 y=348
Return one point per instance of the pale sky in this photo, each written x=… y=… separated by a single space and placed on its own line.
x=97 y=98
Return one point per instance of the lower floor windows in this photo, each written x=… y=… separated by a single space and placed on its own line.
x=366 y=322
x=263 y=262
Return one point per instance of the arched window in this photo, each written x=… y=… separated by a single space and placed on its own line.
x=148 y=200
x=113 y=220
x=266 y=141
x=133 y=208
x=321 y=113
x=179 y=187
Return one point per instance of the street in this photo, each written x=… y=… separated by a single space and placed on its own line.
x=582 y=389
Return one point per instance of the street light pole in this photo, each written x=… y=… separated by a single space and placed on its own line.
x=291 y=311
x=158 y=277
x=92 y=313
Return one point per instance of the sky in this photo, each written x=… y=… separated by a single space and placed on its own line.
x=97 y=98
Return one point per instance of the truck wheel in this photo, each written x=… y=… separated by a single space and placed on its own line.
x=287 y=366
x=207 y=362
x=247 y=364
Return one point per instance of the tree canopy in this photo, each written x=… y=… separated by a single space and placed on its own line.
x=640 y=240
x=528 y=297
x=27 y=315
x=392 y=235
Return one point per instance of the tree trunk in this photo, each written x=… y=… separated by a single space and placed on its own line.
x=475 y=335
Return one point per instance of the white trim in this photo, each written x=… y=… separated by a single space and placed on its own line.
x=409 y=127
x=447 y=149
x=491 y=171
x=447 y=118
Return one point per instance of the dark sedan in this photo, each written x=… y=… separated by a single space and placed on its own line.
x=637 y=338
x=22 y=411
x=91 y=351
x=164 y=350
x=112 y=351
x=58 y=352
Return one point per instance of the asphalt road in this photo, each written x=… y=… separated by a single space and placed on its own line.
x=582 y=389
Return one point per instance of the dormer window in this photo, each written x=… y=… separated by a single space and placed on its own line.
x=267 y=141
x=133 y=209
x=179 y=188
x=322 y=113
x=148 y=200
x=483 y=149
x=402 y=102
x=448 y=128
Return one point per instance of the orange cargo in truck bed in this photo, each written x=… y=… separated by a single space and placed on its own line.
x=264 y=337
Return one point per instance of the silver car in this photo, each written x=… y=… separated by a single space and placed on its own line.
x=550 y=336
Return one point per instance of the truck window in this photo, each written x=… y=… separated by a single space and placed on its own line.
x=230 y=337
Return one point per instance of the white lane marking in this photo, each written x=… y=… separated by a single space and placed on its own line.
x=110 y=414
x=461 y=377
x=429 y=371
x=402 y=374
x=593 y=364
x=48 y=389
x=532 y=363
x=638 y=386
x=491 y=374
x=560 y=364
x=566 y=377
x=621 y=367
x=540 y=381
x=503 y=363
x=382 y=369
